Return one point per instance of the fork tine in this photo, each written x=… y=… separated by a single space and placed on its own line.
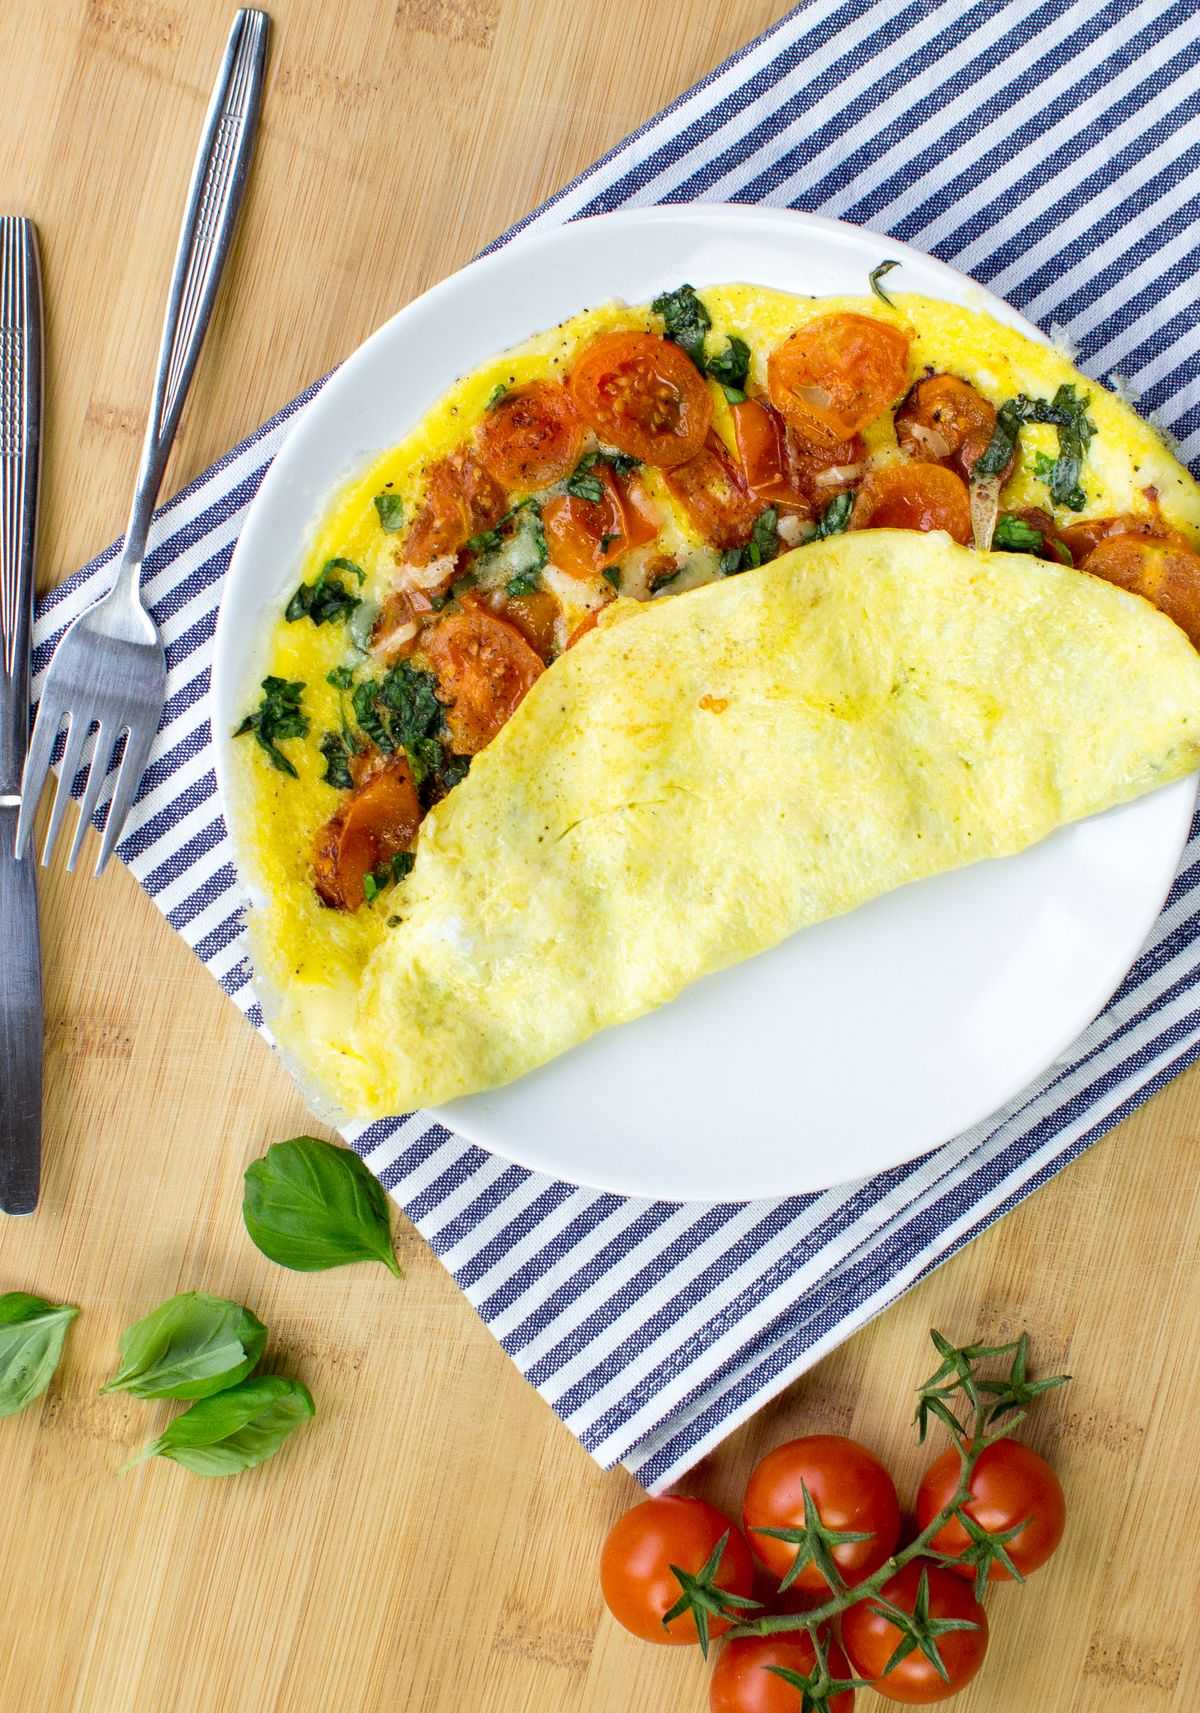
x=76 y=738
x=37 y=765
x=97 y=774
x=137 y=748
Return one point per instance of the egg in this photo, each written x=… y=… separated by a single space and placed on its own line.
x=713 y=769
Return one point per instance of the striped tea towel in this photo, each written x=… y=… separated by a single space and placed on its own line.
x=1051 y=148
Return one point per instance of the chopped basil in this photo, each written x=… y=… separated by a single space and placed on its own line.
x=875 y=275
x=1043 y=466
x=523 y=583
x=762 y=546
x=607 y=539
x=1013 y=535
x=387 y=874
x=498 y=392
x=278 y=715
x=731 y=367
x=686 y=321
x=1068 y=414
x=391 y=511
x=487 y=541
x=401 y=711
x=835 y=519
x=337 y=752
x=326 y=600
x=341 y=677
x=453 y=771
x=621 y=464
x=612 y=574
x=585 y=486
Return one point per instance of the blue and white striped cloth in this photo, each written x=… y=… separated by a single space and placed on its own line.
x=1051 y=148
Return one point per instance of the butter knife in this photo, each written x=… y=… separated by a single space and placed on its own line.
x=20 y=952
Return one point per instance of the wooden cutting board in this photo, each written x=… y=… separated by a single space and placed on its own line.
x=429 y=1544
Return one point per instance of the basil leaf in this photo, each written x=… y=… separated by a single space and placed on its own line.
x=233 y=1430
x=337 y=752
x=585 y=486
x=31 y=1341
x=498 y=392
x=310 y=1206
x=278 y=715
x=762 y=546
x=391 y=512
x=326 y=600
x=686 y=319
x=875 y=275
x=188 y=1347
x=1016 y=536
x=1066 y=412
x=523 y=583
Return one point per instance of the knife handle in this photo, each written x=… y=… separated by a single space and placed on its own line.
x=20 y=458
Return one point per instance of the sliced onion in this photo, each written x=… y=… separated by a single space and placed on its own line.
x=928 y=439
x=985 y=508
x=820 y=398
x=430 y=576
x=793 y=530
x=837 y=474
x=395 y=638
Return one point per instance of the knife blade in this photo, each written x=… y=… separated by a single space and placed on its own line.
x=20 y=953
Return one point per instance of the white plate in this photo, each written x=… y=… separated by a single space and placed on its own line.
x=857 y=1044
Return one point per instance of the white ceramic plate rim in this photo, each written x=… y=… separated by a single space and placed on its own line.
x=467 y=318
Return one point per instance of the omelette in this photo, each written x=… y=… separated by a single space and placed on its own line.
x=674 y=631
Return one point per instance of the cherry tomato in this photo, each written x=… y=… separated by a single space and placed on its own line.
x=851 y=1490
x=1166 y=573
x=838 y=373
x=380 y=818
x=1011 y=1487
x=584 y=536
x=913 y=496
x=536 y=617
x=871 y=1639
x=713 y=492
x=484 y=667
x=532 y=436
x=943 y=420
x=1082 y=537
x=741 y=1682
x=762 y=447
x=397 y=629
x=461 y=500
x=643 y=395
x=635 y=1566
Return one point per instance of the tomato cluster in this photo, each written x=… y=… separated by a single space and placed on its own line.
x=850 y=1605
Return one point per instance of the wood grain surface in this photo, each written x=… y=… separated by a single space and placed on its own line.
x=430 y=1542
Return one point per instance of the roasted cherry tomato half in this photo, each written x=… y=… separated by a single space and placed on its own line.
x=853 y=1494
x=1166 y=573
x=1011 y=1488
x=743 y=1683
x=907 y=495
x=380 y=817
x=838 y=373
x=643 y=395
x=584 y=536
x=531 y=437
x=713 y=493
x=943 y=420
x=1090 y=532
x=484 y=667
x=461 y=500
x=636 y=1578
x=536 y=617
x=871 y=1639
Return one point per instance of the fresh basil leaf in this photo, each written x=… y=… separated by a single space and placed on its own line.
x=835 y=519
x=341 y=677
x=1043 y=466
x=189 y=1347
x=336 y=750
x=391 y=512
x=32 y=1332
x=524 y=583
x=731 y=367
x=686 y=319
x=762 y=546
x=401 y=711
x=730 y=562
x=310 y=1205
x=388 y=873
x=622 y=464
x=498 y=392
x=278 y=715
x=875 y=275
x=233 y=1430
x=1068 y=413
x=612 y=574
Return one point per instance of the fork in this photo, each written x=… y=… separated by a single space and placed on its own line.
x=110 y=669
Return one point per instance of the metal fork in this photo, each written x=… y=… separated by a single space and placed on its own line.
x=110 y=670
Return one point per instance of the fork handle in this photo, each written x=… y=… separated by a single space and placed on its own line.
x=218 y=182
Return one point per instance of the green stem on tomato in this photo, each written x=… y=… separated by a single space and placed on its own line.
x=970 y=1449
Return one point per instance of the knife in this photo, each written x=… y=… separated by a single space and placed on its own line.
x=20 y=952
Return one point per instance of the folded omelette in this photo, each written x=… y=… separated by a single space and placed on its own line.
x=708 y=775
x=675 y=631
